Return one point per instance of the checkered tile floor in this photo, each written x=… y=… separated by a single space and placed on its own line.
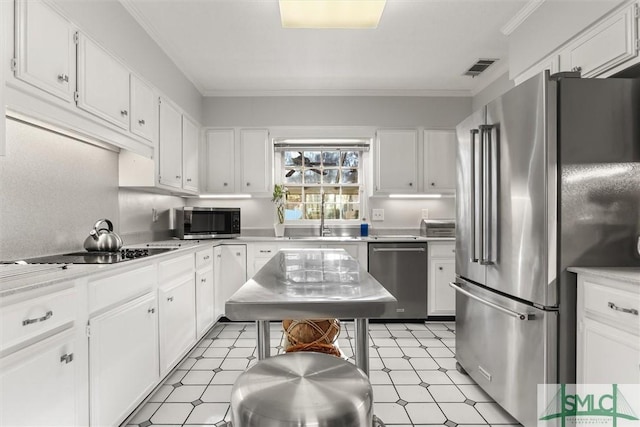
x=412 y=370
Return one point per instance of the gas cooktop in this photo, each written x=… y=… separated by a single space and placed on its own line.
x=98 y=257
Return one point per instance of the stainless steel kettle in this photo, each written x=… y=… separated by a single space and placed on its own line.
x=103 y=239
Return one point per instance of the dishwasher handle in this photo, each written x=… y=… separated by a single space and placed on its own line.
x=515 y=314
x=399 y=250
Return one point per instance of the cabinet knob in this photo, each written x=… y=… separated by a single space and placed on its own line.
x=151 y=310
x=219 y=256
x=124 y=113
x=203 y=280
x=141 y=122
x=66 y=358
x=63 y=78
x=433 y=184
x=225 y=184
x=188 y=179
x=178 y=177
x=170 y=299
x=411 y=184
x=248 y=184
x=440 y=268
x=206 y=258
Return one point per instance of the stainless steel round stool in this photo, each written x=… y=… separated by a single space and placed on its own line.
x=302 y=389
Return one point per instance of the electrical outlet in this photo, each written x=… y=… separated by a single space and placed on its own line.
x=154 y=215
x=377 y=215
x=425 y=213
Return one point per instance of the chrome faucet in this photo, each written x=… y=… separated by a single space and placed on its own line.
x=324 y=230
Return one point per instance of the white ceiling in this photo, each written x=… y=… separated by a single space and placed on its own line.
x=421 y=47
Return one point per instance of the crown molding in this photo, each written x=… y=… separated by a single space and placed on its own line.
x=521 y=16
x=334 y=92
x=163 y=43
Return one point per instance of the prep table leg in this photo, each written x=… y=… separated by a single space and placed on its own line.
x=362 y=344
x=264 y=339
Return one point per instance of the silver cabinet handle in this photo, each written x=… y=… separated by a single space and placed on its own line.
x=178 y=177
x=633 y=311
x=63 y=78
x=66 y=358
x=514 y=314
x=124 y=113
x=219 y=256
x=151 y=310
x=170 y=299
x=141 y=122
x=46 y=316
x=206 y=257
x=188 y=179
x=399 y=249
x=265 y=251
x=472 y=192
x=203 y=280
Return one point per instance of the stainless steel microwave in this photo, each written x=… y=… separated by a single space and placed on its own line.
x=207 y=223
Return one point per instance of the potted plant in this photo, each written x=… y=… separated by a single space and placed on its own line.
x=279 y=198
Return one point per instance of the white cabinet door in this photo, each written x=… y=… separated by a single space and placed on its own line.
x=205 y=301
x=607 y=355
x=233 y=271
x=440 y=160
x=144 y=109
x=177 y=321
x=221 y=161
x=217 y=285
x=170 y=145
x=396 y=161
x=123 y=359
x=45 y=49
x=255 y=159
x=190 y=143
x=441 y=297
x=38 y=385
x=103 y=83
x=608 y=44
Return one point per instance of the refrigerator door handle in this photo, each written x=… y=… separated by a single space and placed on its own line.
x=472 y=194
x=487 y=201
x=514 y=314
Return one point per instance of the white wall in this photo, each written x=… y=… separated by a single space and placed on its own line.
x=114 y=28
x=380 y=111
x=551 y=25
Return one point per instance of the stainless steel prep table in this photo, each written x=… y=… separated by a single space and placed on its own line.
x=311 y=284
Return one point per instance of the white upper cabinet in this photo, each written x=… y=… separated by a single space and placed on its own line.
x=45 y=49
x=144 y=109
x=255 y=156
x=103 y=83
x=170 y=145
x=604 y=46
x=439 y=160
x=190 y=144
x=396 y=161
x=220 y=160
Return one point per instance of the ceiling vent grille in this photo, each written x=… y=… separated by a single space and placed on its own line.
x=480 y=65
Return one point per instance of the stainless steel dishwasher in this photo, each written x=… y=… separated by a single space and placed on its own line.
x=401 y=267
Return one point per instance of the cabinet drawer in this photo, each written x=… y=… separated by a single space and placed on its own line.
x=28 y=319
x=175 y=267
x=106 y=292
x=264 y=250
x=446 y=250
x=616 y=304
x=204 y=257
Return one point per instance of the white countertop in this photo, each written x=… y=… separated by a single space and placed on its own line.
x=626 y=274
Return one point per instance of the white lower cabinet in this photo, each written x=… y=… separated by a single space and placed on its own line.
x=38 y=384
x=205 y=298
x=177 y=322
x=218 y=304
x=123 y=348
x=441 y=299
x=233 y=272
x=608 y=324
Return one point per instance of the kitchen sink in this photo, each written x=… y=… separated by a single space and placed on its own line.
x=327 y=238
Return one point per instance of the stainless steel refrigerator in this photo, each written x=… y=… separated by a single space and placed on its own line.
x=548 y=177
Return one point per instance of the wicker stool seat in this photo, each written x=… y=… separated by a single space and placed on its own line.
x=302 y=389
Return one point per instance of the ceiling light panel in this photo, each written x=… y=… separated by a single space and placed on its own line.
x=331 y=13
